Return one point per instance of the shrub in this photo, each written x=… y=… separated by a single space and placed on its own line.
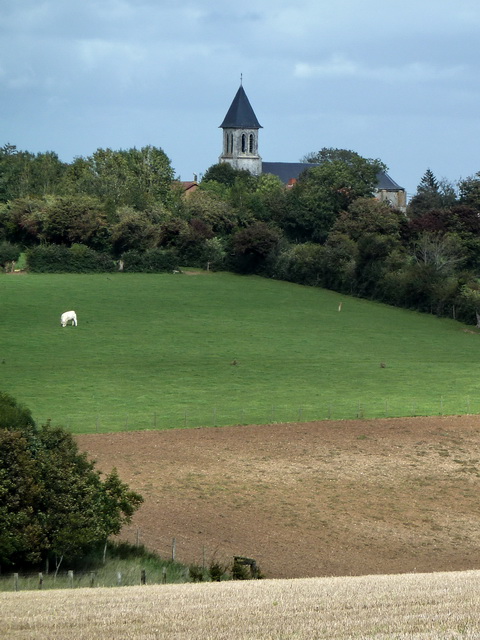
x=301 y=263
x=154 y=260
x=60 y=259
x=8 y=253
x=196 y=572
x=254 y=247
x=208 y=253
x=13 y=416
x=47 y=259
x=240 y=571
x=216 y=571
x=245 y=569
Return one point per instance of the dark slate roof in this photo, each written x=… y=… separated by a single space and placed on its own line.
x=288 y=170
x=385 y=182
x=240 y=115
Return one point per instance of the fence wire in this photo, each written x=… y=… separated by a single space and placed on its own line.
x=217 y=416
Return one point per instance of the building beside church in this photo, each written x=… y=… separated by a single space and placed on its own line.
x=241 y=150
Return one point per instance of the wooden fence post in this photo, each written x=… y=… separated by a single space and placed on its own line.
x=70 y=578
x=164 y=575
x=359 y=411
x=15 y=581
x=119 y=578
x=143 y=577
x=174 y=549
x=40 y=580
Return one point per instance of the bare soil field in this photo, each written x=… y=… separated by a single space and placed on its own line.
x=307 y=499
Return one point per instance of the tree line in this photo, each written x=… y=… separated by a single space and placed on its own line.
x=326 y=230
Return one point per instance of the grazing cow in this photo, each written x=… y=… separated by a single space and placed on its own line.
x=67 y=316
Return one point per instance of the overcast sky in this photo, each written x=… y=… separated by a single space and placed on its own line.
x=395 y=80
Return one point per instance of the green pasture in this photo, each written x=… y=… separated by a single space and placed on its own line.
x=176 y=350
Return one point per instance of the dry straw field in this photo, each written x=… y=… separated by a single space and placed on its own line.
x=413 y=607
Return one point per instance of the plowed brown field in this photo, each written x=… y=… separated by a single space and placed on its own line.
x=307 y=499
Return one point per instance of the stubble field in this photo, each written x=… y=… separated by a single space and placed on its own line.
x=307 y=499
x=410 y=607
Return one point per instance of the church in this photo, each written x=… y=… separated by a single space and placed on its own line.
x=241 y=150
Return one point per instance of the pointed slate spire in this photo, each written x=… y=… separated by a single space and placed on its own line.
x=240 y=115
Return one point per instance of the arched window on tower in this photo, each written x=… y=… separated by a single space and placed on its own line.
x=244 y=143
x=251 y=146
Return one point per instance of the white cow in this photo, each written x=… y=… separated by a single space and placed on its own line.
x=67 y=316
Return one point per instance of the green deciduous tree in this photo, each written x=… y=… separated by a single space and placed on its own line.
x=52 y=499
x=9 y=253
x=151 y=177
x=213 y=207
x=24 y=174
x=322 y=192
x=138 y=178
x=75 y=219
x=471 y=294
x=301 y=263
x=133 y=230
x=23 y=220
x=253 y=246
x=331 y=154
x=470 y=191
x=62 y=220
x=368 y=215
x=339 y=262
x=440 y=252
x=225 y=174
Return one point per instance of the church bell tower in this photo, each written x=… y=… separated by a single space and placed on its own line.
x=240 y=135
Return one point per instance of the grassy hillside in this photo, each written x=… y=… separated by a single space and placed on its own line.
x=442 y=605
x=185 y=350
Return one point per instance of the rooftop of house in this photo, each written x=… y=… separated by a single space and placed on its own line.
x=288 y=171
